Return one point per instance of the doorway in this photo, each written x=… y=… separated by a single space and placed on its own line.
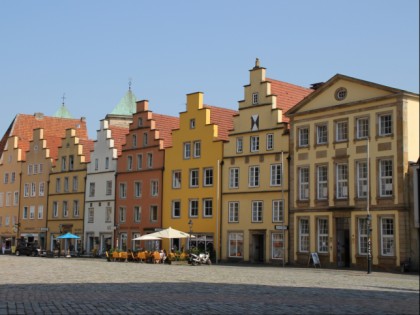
x=257 y=248
x=343 y=242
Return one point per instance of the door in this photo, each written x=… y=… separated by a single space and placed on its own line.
x=257 y=248
x=343 y=242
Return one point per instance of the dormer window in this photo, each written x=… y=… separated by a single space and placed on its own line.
x=254 y=98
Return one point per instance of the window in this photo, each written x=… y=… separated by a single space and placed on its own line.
x=140 y=122
x=123 y=190
x=363 y=236
x=233 y=207
x=385 y=125
x=275 y=174
x=12 y=177
x=6 y=178
x=149 y=160
x=32 y=212
x=387 y=236
x=322 y=235
x=341 y=183
x=303 y=235
x=193 y=208
x=341 y=131
x=92 y=190
x=139 y=161
x=65 y=209
x=145 y=139
x=304 y=183
x=257 y=211
x=134 y=141
x=15 y=198
x=233 y=177
x=207 y=208
x=362 y=128
x=40 y=212
x=321 y=134
x=71 y=162
x=192 y=123
x=362 y=179
x=129 y=163
x=153 y=213
x=66 y=184
x=322 y=182
x=75 y=183
x=41 y=168
x=239 y=145
x=41 y=188
x=137 y=189
x=255 y=143
x=29 y=169
x=55 y=209
x=385 y=178
x=270 y=141
x=122 y=214
x=254 y=98
x=187 y=150
x=137 y=214
x=236 y=245
x=1 y=199
x=303 y=137
x=8 y=198
x=176 y=179
x=340 y=94
x=63 y=163
x=208 y=177
x=96 y=164
x=107 y=163
x=278 y=210
x=35 y=169
x=25 y=212
x=176 y=209
x=57 y=185
x=108 y=188
x=108 y=214
x=76 y=210
x=91 y=215
x=254 y=176
x=277 y=245
x=33 y=189
x=197 y=149
x=154 y=188
x=26 y=190
x=194 y=178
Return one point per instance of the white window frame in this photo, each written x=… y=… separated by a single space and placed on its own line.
x=387 y=236
x=239 y=145
x=277 y=245
x=303 y=173
x=303 y=136
x=342 y=186
x=139 y=161
x=386 y=172
x=254 y=143
x=76 y=208
x=362 y=236
x=208 y=177
x=257 y=209
x=123 y=190
x=278 y=210
x=276 y=173
x=207 y=207
x=385 y=124
x=149 y=160
x=234 y=177
x=304 y=230
x=193 y=210
x=322 y=134
x=194 y=178
x=361 y=179
x=196 y=149
x=322 y=182
x=255 y=98
x=322 y=235
x=233 y=208
x=176 y=208
x=154 y=188
x=137 y=189
x=40 y=212
x=270 y=141
x=176 y=179
x=187 y=150
x=362 y=127
x=254 y=176
x=137 y=214
x=341 y=131
x=236 y=244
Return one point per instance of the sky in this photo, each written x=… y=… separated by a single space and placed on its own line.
x=89 y=51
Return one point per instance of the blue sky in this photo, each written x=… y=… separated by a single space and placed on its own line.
x=90 y=49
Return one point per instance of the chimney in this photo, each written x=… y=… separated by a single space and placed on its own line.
x=316 y=86
x=39 y=116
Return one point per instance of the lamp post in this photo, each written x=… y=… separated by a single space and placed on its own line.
x=190 y=224
x=369 y=217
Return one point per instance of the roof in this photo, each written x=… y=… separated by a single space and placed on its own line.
x=88 y=146
x=222 y=117
x=63 y=112
x=165 y=124
x=118 y=134
x=127 y=105
x=54 y=130
x=288 y=95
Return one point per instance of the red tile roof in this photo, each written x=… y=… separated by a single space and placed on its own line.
x=165 y=124
x=118 y=133
x=54 y=130
x=88 y=146
x=288 y=95
x=222 y=117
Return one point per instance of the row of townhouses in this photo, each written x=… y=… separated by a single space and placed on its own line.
x=332 y=169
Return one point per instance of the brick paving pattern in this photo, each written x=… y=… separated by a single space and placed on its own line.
x=34 y=285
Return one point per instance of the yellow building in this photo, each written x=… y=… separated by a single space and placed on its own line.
x=255 y=172
x=351 y=143
x=191 y=186
x=67 y=191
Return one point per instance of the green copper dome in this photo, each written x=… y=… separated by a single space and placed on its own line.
x=63 y=112
x=127 y=105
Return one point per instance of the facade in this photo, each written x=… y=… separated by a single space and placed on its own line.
x=99 y=222
x=255 y=173
x=14 y=145
x=140 y=176
x=66 y=193
x=192 y=184
x=351 y=142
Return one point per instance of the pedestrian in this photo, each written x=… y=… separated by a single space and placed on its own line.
x=3 y=247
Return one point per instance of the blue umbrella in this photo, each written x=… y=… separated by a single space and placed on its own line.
x=68 y=235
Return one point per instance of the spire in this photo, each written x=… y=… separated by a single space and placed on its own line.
x=63 y=112
x=127 y=105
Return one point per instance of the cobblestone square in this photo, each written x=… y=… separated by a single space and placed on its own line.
x=34 y=285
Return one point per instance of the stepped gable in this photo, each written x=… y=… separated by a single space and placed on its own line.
x=288 y=95
x=54 y=130
x=222 y=117
x=165 y=124
x=118 y=134
x=88 y=146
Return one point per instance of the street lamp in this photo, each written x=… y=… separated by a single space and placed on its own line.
x=190 y=223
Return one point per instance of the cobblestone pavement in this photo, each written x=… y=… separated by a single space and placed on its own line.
x=35 y=285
